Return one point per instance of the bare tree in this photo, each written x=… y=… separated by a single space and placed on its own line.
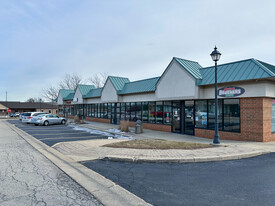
x=70 y=81
x=98 y=79
x=50 y=93
x=36 y=99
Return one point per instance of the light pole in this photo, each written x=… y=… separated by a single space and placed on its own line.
x=215 y=55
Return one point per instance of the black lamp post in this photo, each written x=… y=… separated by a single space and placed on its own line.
x=215 y=55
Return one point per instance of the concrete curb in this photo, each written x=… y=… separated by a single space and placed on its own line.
x=185 y=160
x=104 y=190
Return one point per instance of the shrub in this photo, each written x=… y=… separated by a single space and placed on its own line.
x=76 y=119
x=124 y=126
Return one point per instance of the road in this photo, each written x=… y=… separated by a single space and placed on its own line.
x=28 y=178
x=239 y=182
x=53 y=134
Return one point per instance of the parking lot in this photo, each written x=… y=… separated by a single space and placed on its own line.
x=53 y=134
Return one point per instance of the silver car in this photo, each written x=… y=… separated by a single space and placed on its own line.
x=29 y=115
x=47 y=119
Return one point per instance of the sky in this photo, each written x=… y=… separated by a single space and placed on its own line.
x=42 y=41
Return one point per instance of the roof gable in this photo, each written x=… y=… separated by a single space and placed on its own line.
x=93 y=93
x=65 y=93
x=236 y=71
x=84 y=89
x=118 y=82
x=145 y=85
x=191 y=67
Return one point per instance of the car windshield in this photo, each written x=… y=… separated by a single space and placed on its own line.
x=27 y=114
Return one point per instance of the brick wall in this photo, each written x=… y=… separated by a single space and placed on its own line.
x=255 y=119
x=157 y=127
x=101 y=120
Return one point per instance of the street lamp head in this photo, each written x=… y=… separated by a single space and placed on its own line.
x=215 y=55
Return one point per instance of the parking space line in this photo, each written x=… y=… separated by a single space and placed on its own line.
x=69 y=138
x=62 y=133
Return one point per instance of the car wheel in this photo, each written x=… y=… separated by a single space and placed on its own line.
x=63 y=121
x=46 y=123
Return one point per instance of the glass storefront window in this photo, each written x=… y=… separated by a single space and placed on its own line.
x=118 y=112
x=138 y=111
x=231 y=115
x=93 y=110
x=105 y=111
x=99 y=111
x=133 y=111
x=273 y=115
x=152 y=112
x=211 y=114
x=89 y=112
x=122 y=111
x=201 y=114
x=167 y=109
x=128 y=111
x=109 y=111
x=145 y=111
x=159 y=112
x=96 y=107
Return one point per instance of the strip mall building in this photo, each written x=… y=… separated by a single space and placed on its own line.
x=181 y=100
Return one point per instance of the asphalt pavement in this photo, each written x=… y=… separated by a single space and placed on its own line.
x=29 y=178
x=236 y=182
x=53 y=134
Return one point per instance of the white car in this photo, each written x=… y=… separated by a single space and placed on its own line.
x=28 y=116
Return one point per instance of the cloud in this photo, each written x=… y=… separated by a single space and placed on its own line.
x=41 y=41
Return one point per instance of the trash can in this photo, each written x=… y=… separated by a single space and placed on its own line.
x=138 y=127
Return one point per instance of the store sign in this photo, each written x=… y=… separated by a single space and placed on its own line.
x=230 y=91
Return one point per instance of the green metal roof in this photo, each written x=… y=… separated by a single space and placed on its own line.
x=69 y=96
x=190 y=66
x=146 y=85
x=84 y=89
x=118 y=82
x=268 y=66
x=93 y=93
x=237 y=71
x=66 y=92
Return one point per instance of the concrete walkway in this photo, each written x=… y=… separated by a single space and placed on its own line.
x=93 y=149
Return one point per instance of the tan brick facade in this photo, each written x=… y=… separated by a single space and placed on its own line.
x=256 y=122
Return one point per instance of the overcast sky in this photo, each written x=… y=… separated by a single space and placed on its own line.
x=41 y=41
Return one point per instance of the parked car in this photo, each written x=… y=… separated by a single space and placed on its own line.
x=17 y=114
x=28 y=116
x=12 y=115
x=21 y=115
x=47 y=119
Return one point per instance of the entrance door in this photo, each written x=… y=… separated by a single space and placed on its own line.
x=176 y=117
x=189 y=118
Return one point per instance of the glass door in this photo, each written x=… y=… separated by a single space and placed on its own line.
x=189 y=117
x=176 y=126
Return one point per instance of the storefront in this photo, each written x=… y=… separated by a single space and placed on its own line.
x=181 y=100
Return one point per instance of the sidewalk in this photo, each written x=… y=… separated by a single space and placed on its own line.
x=92 y=149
